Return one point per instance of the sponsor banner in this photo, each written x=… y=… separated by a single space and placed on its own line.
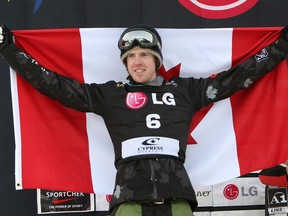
x=239 y=192
x=172 y=14
x=219 y=9
x=150 y=145
x=238 y=213
x=202 y=213
x=102 y=202
x=204 y=196
x=49 y=201
x=277 y=201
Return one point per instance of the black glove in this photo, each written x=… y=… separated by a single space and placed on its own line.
x=6 y=37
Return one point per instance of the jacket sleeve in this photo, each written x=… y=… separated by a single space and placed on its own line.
x=274 y=176
x=71 y=93
x=222 y=85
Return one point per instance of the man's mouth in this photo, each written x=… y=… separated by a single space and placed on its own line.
x=139 y=70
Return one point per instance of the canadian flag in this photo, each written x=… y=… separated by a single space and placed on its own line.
x=59 y=148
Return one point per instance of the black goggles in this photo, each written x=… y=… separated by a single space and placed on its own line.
x=144 y=38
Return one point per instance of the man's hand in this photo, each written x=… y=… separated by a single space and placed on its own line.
x=6 y=37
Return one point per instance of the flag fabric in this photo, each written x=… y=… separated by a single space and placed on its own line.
x=61 y=149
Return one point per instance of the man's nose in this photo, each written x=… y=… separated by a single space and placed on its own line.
x=137 y=60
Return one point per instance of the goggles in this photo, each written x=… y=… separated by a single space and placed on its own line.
x=144 y=38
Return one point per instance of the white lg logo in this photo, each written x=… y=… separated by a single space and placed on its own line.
x=167 y=99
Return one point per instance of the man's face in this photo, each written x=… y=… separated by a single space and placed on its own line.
x=141 y=65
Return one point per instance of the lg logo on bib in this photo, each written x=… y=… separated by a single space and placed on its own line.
x=218 y=9
x=136 y=100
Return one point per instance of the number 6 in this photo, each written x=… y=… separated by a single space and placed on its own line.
x=152 y=121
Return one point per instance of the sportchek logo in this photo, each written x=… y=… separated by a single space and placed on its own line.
x=218 y=9
x=62 y=194
x=57 y=202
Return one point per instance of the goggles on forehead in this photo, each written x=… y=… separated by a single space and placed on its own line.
x=144 y=38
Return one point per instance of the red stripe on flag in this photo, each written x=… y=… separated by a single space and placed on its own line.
x=55 y=152
x=259 y=113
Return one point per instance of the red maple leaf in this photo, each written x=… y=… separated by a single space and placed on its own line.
x=172 y=72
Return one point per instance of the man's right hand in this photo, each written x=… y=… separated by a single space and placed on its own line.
x=6 y=37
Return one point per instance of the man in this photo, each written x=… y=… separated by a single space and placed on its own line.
x=153 y=180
